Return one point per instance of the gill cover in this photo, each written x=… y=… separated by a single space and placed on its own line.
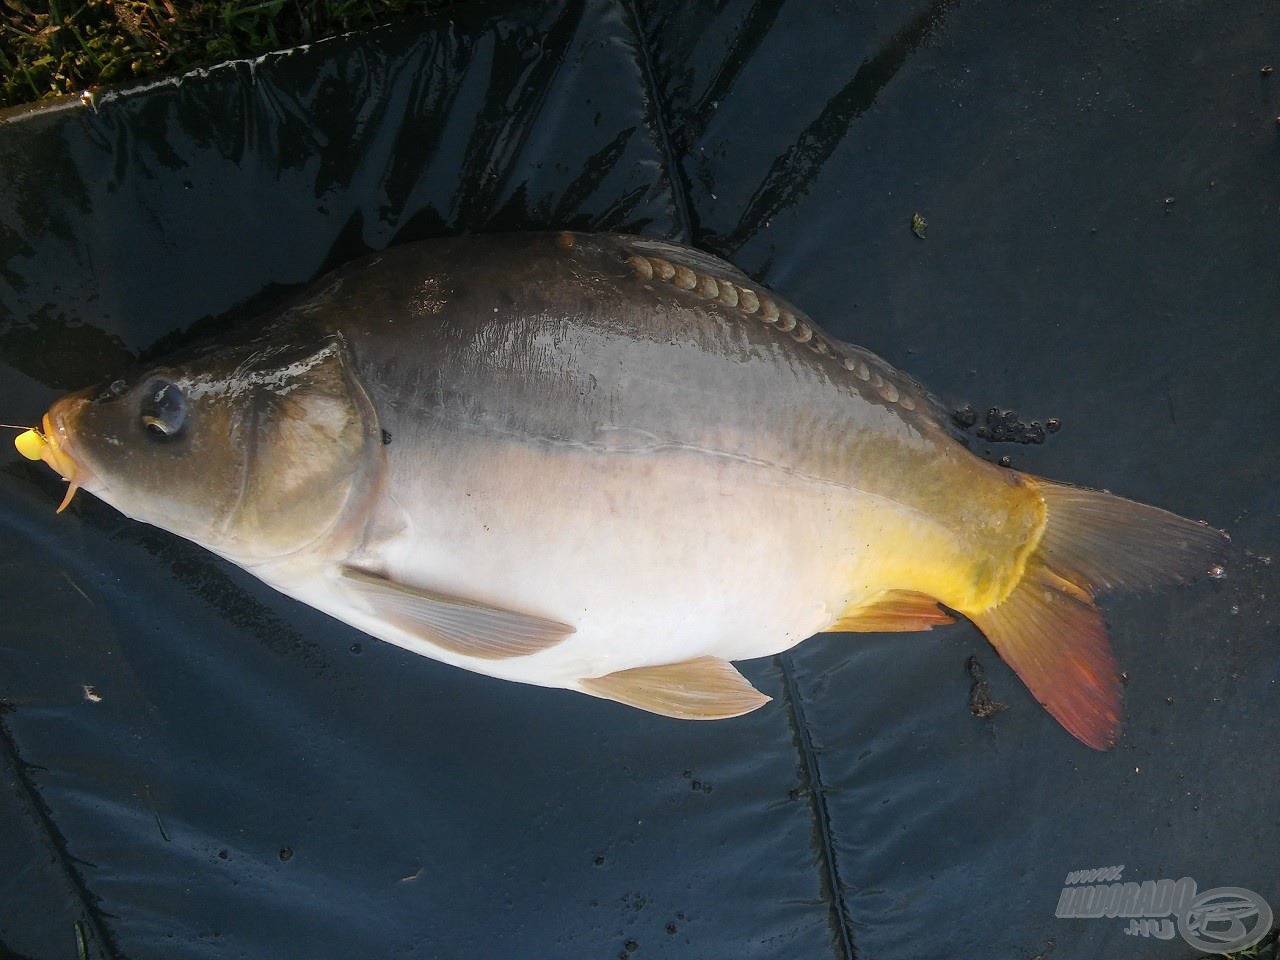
x=314 y=448
x=254 y=450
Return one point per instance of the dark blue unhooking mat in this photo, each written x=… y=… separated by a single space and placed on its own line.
x=195 y=766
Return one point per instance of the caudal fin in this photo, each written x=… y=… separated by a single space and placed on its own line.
x=1048 y=628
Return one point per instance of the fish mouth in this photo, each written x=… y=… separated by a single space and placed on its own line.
x=58 y=429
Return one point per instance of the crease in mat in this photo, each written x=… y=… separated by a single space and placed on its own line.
x=811 y=774
x=91 y=930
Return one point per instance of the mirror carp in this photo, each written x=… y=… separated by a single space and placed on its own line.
x=613 y=465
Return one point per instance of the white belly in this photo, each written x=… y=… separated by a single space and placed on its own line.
x=653 y=557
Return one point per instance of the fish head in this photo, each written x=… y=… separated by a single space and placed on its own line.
x=253 y=451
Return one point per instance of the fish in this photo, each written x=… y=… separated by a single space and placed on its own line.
x=613 y=465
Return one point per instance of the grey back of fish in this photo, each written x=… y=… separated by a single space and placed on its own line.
x=623 y=345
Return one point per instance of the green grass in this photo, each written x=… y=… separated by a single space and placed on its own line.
x=1267 y=949
x=58 y=47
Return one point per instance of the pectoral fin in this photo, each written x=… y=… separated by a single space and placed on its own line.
x=453 y=623
x=898 y=611
x=705 y=688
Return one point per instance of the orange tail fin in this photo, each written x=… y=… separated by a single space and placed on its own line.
x=1048 y=628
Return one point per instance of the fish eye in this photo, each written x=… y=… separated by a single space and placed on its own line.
x=163 y=409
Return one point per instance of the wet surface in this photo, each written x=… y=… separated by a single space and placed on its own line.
x=197 y=766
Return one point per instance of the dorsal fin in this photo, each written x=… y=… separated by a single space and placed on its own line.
x=698 y=261
x=703 y=275
x=906 y=385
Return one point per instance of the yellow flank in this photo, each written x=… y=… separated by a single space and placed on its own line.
x=970 y=565
x=999 y=558
x=1030 y=544
x=30 y=444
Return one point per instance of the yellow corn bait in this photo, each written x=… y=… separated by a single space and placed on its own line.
x=30 y=444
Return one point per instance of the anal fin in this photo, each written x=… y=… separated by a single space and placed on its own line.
x=898 y=611
x=705 y=688
x=453 y=623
